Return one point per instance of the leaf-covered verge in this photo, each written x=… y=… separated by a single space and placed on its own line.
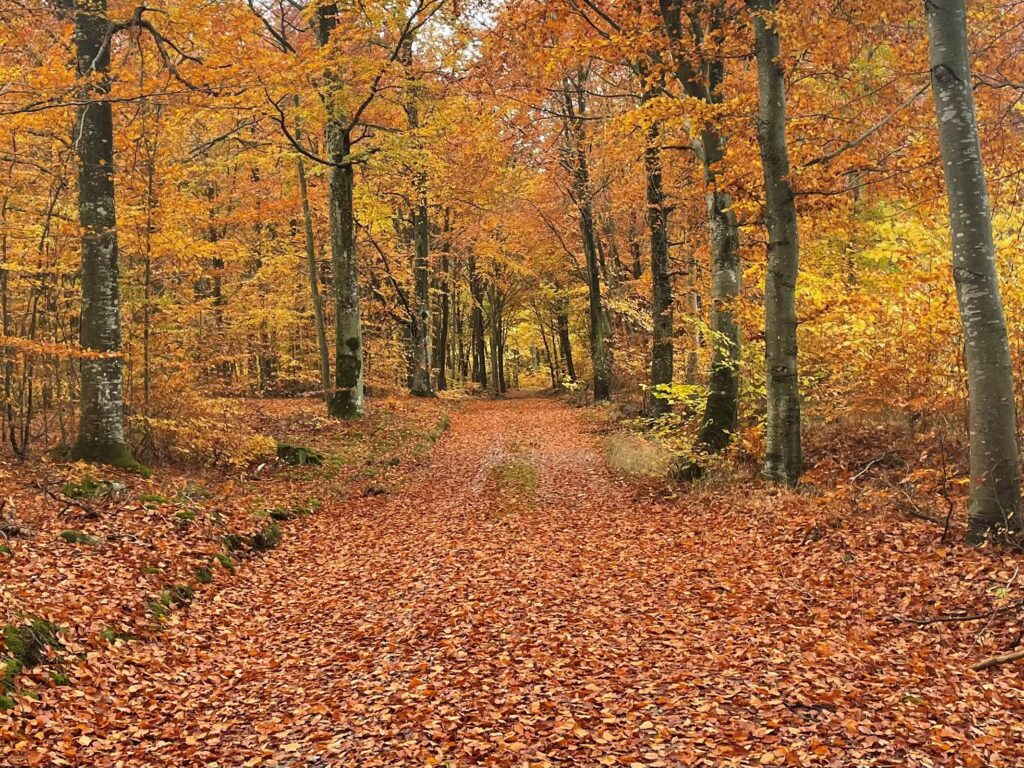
x=106 y=561
x=604 y=623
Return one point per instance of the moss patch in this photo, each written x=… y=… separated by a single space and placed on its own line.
x=72 y=536
x=298 y=455
x=267 y=538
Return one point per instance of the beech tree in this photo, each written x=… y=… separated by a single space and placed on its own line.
x=783 y=460
x=995 y=468
x=101 y=430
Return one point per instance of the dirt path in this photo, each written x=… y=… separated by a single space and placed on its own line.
x=437 y=625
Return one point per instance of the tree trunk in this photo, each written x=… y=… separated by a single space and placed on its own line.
x=495 y=350
x=995 y=471
x=476 y=321
x=564 y=342
x=347 y=398
x=314 y=286
x=783 y=460
x=600 y=351
x=722 y=408
x=442 y=340
x=661 y=279
x=101 y=433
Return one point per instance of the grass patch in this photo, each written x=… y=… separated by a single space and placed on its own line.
x=267 y=538
x=630 y=454
x=299 y=455
x=515 y=476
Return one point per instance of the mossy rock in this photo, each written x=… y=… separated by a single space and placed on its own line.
x=72 y=536
x=59 y=678
x=204 y=575
x=232 y=542
x=298 y=455
x=282 y=515
x=27 y=643
x=267 y=538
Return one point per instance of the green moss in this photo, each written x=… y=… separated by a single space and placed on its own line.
x=158 y=609
x=282 y=514
x=86 y=488
x=225 y=562
x=267 y=538
x=78 y=537
x=204 y=575
x=515 y=476
x=111 y=635
x=152 y=570
x=232 y=542
x=59 y=678
x=112 y=454
x=5 y=550
x=27 y=643
x=154 y=498
x=298 y=455
x=6 y=703
x=11 y=669
x=185 y=515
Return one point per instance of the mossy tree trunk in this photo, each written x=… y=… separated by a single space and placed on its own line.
x=101 y=435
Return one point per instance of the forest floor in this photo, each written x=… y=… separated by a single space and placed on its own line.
x=507 y=600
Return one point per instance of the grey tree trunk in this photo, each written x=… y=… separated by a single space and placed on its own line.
x=564 y=342
x=314 y=286
x=496 y=383
x=662 y=351
x=600 y=350
x=421 y=384
x=783 y=460
x=101 y=433
x=995 y=471
x=722 y=408
x=347 y=398
x=476 y=321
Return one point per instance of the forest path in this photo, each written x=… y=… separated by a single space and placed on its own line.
x=469 y=619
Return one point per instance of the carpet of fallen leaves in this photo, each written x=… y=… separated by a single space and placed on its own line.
x=508 y=601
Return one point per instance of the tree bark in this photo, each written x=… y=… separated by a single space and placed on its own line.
x=600 y=350
x=564 y=342
x=101 y=433
x=476 y=321
x=722 y=407
x=347 y=398
x=995 y=472
x=662 y=351
x=314 y=285
x=783 y=460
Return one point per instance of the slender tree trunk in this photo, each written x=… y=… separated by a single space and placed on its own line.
x=600 y=350
x=995 y=470
x=101 y=433
x=442 y=341
x=564 y=342
x=722 y=408
x=661 y=278
x=314 y=285
x=477 y=322
x=495 y=351
x=783 y=460
x=347 y=398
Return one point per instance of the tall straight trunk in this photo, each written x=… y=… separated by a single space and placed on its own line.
x=347 y=398
x=783 y=458
x=722 y=407
x=600 y=350
x=995 y=470
x=476 y=321
x=495 y=343
x=421 y=384
x=564 y=342
x=442 y=335
x=662 y=351
x=101 y=433
x=547 y=347
x=314 y=285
